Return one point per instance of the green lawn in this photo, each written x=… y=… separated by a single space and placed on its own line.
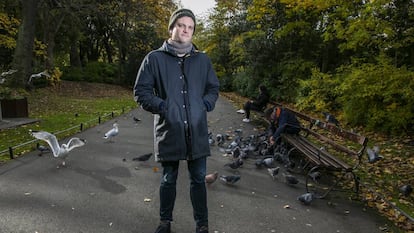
x=63 y=109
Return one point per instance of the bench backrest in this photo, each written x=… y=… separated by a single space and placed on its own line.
x=314 y=126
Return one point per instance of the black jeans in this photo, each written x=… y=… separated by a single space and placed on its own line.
x=198 y=192
x=249 y=105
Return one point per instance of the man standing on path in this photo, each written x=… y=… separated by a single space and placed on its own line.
x=178 y=85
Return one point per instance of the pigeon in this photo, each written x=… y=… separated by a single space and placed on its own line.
x=143 y=157
x=273 y=172
x=406 y=190
x=61 y=151
x=238 y=132
x=330 y=118
x=259 y=163
x=136 y=119
x=226 y=150
x=38 y=75
x=210 y=178
x=220 y=139
x=315 y=175
x=230 y=179
x=42 y=149
x=267 y=162
x=373 y=154
x=236 y=152
x=233 y=144
x=306 y=198
x=235 y=164
x=290 y=179
x=112 y=132
x=211 y=140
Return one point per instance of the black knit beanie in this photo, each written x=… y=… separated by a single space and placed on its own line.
x=181 y=13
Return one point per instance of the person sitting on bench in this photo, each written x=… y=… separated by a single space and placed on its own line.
x=258 y=104
x=281 y=121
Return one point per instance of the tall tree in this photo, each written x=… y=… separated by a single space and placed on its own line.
x=22 y=59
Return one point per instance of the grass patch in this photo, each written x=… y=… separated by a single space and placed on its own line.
x=63 y=109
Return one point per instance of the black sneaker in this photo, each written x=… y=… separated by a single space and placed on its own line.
x=164 y=227
x=202 y=229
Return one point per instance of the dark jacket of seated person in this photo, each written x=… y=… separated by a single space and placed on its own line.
x=281 y=121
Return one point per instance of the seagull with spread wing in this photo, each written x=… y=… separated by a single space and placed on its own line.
x=59 y=151
x=4 y=74
x=38 y=75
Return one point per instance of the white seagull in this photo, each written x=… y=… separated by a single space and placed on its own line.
x=112 y=132
x=38 y=75
x=4 y=74
x=58 y=151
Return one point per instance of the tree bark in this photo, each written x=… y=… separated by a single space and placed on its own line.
x=23 y=56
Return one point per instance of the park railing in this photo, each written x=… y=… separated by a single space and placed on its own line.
x=14 y=150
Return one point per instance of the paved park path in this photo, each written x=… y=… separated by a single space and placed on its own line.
x=103 y=190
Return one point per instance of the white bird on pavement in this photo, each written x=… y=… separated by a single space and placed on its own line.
x=112 y=132
x=59 y=151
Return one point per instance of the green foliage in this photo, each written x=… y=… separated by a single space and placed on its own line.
x=72 y=73
x=8 y=36
x=379 y=96
x=284 y=82
x=98 y=72
x=319 y=92
x=8 y=27
x=243 y=82
x=12 y=93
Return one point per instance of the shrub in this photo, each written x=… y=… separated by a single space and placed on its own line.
x=319 y=93
x=98 y=72
x=379 y=96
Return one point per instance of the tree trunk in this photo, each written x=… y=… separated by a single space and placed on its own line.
x=74 y=57
x=23 y=55
x=52 y=20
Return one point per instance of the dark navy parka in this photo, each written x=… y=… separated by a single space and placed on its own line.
x=179 y=91
x=286 y=123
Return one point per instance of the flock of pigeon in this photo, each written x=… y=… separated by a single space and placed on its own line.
x=255 y=147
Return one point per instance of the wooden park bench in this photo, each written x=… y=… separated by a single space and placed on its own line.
x=327 y=154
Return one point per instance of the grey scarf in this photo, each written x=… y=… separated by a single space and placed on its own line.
x=179 y=48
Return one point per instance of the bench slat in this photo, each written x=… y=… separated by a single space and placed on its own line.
x=318 y=156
